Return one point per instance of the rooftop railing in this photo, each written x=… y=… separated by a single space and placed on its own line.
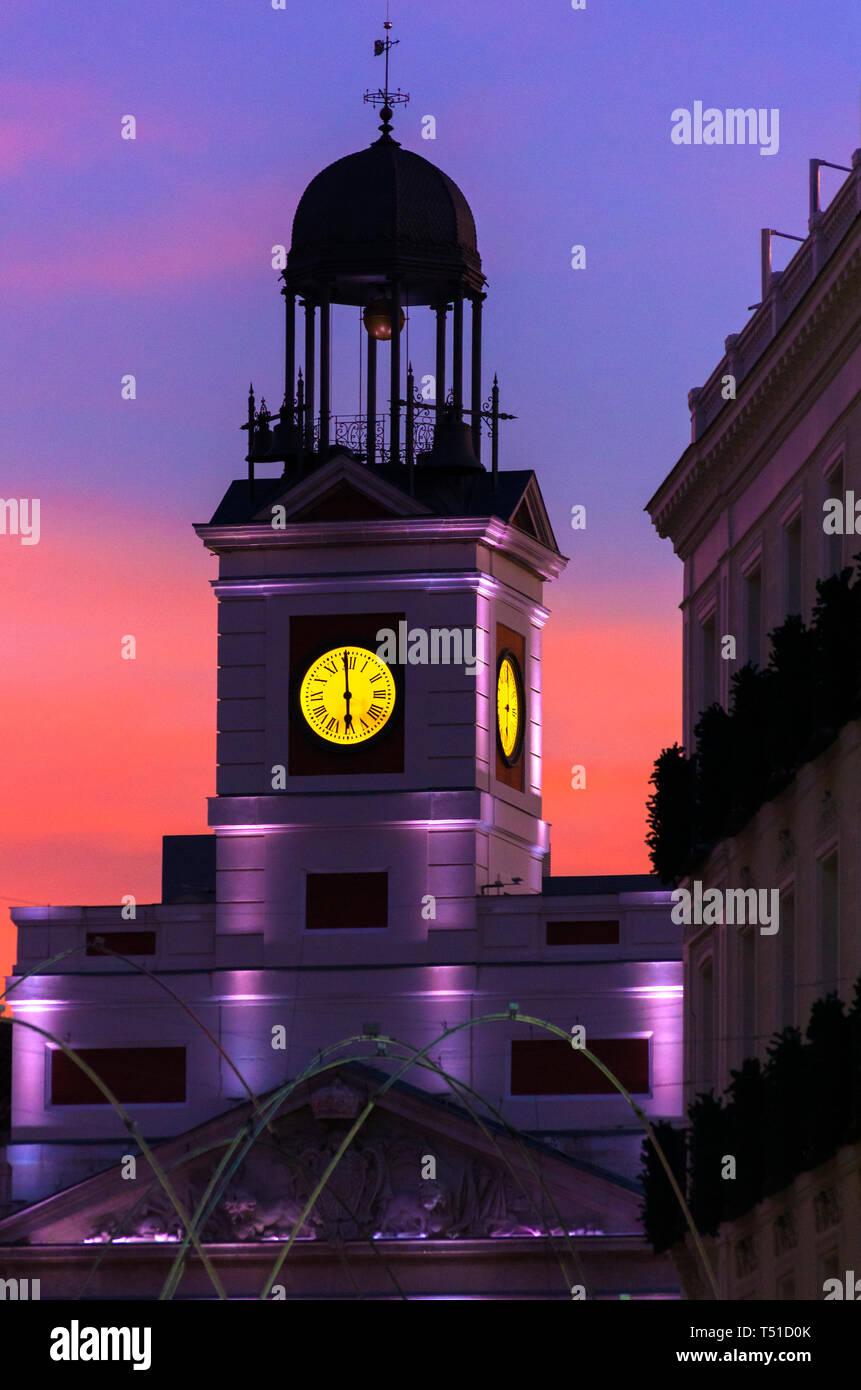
x=781 y=292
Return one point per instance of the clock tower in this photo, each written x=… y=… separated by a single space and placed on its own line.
x=380 y=596
x=378 y=874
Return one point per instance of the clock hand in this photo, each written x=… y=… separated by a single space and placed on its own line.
x=348 y=720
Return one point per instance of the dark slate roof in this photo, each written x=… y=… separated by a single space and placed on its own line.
x=602 y=883
x=382 y=201
x=462 y=495
x=237 y=507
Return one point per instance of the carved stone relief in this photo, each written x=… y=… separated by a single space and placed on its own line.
x=785 y=1233
x=375 y=1191
x=746 y=1257
x=827 y=1211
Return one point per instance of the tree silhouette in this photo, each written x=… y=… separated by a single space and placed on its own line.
x=829 y=1085
x=663 y=1218
x=745 y=1125
x=707 y=1144
x=777 y=1121
x=779 y=718
x=671 y=813
x=784 y=1137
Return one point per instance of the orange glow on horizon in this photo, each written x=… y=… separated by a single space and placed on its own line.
x=103 y=756
x=612 y=701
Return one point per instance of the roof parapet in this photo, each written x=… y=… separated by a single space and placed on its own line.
x=781 y=290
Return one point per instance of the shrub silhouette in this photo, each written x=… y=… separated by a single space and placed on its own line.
x=779 y=718
x=784 y=1139
x=663 y=1218
x=707 y=1144
x=670 y=812
x=777 y=1120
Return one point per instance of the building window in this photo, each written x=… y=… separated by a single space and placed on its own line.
x=747 y=993
x=708 y=662
x=786 y=936
x=136 y=1075
x=346 y=900
x=705 y=1032
x=127 y=943
x=542 y=1067
x=753 y=615
x=828 y=1267
x=829 y=921
x=832 y=552
x=604 y=933
x=792 y=574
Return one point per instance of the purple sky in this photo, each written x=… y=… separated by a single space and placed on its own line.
x=153 y=256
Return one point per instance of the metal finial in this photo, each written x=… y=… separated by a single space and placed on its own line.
x=383 y=96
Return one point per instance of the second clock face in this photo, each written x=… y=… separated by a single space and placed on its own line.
x=347 y=695
x=509 y=707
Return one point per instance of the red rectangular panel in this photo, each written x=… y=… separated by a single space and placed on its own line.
x=128 y=943
x=346 y=900
x=552 y=1067
x=601 y=933
x=136 y=1075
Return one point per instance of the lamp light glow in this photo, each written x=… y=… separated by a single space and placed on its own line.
x=377 y=318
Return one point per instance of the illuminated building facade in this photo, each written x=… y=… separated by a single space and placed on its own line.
x=379 y=865
x=775 y=444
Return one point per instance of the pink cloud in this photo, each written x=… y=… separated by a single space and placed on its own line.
x=208 y=234
x=68 y=124
x=42 y=120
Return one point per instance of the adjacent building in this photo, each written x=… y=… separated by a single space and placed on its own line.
x=775 y=434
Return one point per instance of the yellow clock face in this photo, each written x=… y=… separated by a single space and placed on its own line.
x=509 y=708
x=347 y=695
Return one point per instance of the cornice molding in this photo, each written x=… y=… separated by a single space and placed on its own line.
x=489 y=531
x=802 y=348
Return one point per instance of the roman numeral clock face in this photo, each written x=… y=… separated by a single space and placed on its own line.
x=509 y=708
x=347 y=696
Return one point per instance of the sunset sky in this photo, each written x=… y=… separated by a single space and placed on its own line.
x=153 y=257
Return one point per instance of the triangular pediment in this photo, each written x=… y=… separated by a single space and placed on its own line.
x=530 y=516
x=342 y=490
x=479 y=1184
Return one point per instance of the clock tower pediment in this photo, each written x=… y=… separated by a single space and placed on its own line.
x=530 y=516
x=342 y=490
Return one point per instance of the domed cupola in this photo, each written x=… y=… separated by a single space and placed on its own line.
x=382 y=214
x=385 y=231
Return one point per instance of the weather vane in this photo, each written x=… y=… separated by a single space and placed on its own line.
x=382 y=96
